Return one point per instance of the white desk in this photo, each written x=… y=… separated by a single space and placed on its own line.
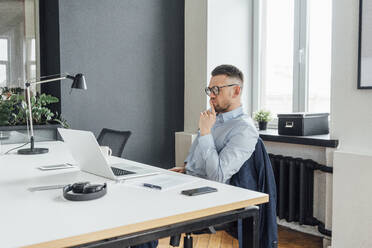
x=46 y=219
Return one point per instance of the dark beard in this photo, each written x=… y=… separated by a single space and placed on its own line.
x=218 y=109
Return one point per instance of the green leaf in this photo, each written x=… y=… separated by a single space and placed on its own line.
x=262 y=116
x=13 y=109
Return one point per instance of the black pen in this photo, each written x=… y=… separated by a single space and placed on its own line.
x=153 y=186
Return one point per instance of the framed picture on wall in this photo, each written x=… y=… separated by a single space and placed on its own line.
x=365 y=45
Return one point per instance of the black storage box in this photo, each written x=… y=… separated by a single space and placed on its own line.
x=303 y=124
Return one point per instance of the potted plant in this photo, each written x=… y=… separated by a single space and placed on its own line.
x=262 y=117
x=13 y=112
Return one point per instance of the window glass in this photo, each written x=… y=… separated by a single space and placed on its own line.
x=33 y=50
x=32 y=71
x=320 y=31
x=276 y=66
x=3 y=49
x=2 y=75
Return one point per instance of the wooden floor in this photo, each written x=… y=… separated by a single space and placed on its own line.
x=287 y=239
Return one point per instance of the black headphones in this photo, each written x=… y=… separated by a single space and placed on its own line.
x=84 y=191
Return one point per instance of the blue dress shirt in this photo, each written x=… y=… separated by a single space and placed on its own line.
x=219 y=155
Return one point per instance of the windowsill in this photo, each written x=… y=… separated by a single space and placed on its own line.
x=323 y=140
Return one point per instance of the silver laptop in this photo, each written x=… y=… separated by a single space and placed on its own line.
x=87 y=153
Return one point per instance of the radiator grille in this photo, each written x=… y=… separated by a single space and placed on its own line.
x=295 y=183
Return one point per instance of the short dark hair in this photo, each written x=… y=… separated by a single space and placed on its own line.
x=228 y=70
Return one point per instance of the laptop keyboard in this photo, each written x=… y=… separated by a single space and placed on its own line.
x=121 y=172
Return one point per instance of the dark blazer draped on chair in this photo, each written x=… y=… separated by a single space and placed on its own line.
x=257 y=174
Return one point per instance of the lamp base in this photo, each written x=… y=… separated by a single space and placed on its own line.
x=29 y=151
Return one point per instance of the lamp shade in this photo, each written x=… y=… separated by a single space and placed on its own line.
x=79 y=82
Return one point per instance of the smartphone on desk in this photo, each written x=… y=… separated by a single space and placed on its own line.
x=56 y=167
x=198 y=191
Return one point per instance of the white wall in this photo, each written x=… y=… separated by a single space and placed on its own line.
x=196 y=74
x=351 y=124
x=351 y=108
x=352 y=218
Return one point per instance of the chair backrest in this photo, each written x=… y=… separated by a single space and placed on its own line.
x=115 y=139
x=257 y=174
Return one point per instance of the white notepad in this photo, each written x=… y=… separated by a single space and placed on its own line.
x=165 y=181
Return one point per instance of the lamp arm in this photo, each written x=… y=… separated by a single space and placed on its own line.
x=30 y=116
x=28 y=84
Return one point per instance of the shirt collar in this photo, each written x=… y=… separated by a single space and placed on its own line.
x=223 y=117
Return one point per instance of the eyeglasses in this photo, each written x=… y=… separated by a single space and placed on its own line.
x=216 y=89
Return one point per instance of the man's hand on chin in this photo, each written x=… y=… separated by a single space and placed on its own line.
x=207 y=120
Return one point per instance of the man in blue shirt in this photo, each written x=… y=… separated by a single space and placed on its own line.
x=226 y=141
x=227 y=137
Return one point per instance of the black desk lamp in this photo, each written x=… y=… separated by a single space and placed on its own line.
x=78 y=83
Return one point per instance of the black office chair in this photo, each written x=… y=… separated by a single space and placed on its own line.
x=255 y=174
x=115 y=139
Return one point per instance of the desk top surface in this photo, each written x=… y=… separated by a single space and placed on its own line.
x=46 y=219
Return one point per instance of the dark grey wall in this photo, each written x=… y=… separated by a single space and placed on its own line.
x=49 y=48
x=132 y=54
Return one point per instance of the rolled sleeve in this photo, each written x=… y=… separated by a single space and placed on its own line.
x=238 y=148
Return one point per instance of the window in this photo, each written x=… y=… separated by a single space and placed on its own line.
x=4 y=61
x=292 y=42
x=18 y=42
x=3 y=76
x=277 y=55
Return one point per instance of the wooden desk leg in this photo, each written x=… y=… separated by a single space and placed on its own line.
x=251 y=231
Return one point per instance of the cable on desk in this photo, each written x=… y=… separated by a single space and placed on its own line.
x=16 y=148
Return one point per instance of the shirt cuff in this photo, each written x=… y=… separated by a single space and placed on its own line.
x=206 y=142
